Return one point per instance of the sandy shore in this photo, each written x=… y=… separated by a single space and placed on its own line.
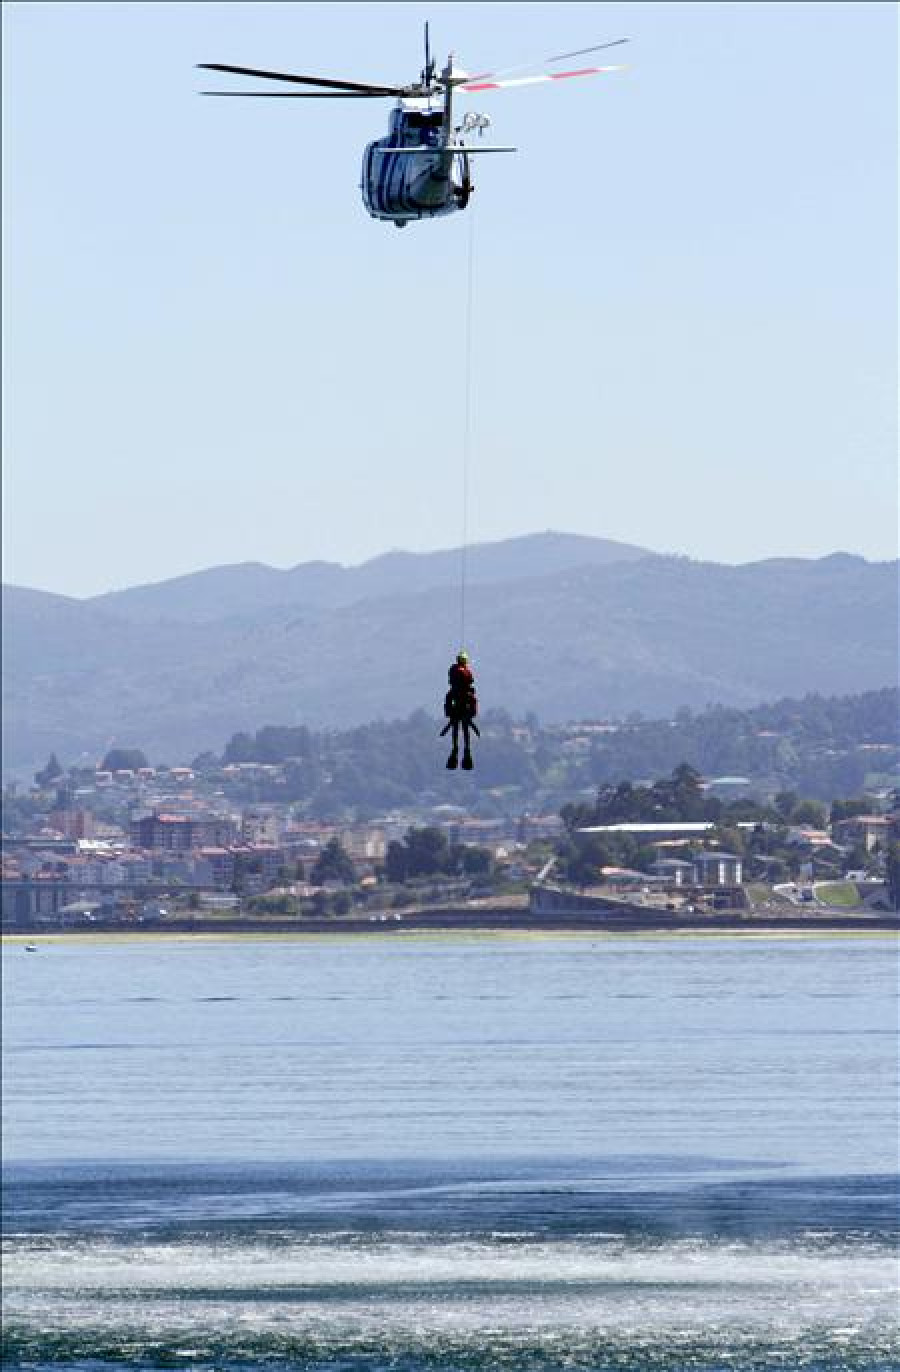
x=434 y=935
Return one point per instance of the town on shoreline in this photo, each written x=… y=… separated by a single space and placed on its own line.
x=222 y=846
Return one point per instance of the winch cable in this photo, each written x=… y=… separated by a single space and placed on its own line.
x=467 y=427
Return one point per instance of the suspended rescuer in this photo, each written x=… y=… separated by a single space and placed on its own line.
x=460 y=708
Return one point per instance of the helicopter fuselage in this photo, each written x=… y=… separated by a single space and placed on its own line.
x=422 y=169
x=416 y=172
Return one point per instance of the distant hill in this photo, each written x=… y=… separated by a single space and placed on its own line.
x=600 y=637
x=821 y=747
x=246 y=586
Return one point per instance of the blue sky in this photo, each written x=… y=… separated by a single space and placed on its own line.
x=685 y=327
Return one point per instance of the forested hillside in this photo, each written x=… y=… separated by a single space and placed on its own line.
x=819 y=746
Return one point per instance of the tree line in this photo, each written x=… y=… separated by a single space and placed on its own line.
x=817 y=746
x=813 y=746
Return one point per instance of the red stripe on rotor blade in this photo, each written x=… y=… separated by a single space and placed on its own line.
x=561 y=75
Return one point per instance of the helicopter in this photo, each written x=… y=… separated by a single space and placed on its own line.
x=421 y=169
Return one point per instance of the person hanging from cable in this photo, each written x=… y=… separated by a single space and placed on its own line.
x=460 y=708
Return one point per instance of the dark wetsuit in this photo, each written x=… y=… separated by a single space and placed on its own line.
x=461 y=707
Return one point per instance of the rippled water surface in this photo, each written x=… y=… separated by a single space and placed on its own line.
x=452 y=1154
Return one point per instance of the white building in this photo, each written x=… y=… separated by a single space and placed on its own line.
x=713 y=868
x=674 y=870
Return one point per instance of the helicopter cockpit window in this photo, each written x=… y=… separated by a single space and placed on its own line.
x=421 y=129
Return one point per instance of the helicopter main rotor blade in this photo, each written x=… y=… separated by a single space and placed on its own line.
x=561 y=57
x=582 y=52
x=362 y=87
x=535 y=80
x=296 y=95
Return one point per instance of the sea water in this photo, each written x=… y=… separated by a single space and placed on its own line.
x=452 y=1153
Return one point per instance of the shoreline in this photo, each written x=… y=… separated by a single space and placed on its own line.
x=485 y=924
x=448 y=936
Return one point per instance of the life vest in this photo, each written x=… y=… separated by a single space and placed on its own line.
x=460 y=701
x=460 y=678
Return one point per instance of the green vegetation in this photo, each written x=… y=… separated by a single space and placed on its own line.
x=855 y=805
x=333 y=864
x=52 y=772
x=680 y=797
x=892 y=873
x=273 y=905
x=123 y=760
x=269 y=744
x=758 y=892
x=814 y=748
x=427 y=852
x=842 y=893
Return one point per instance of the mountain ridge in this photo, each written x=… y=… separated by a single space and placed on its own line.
x=644 y=633
x=196 y=596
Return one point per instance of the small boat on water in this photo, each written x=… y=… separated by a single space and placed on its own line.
x=30 y=947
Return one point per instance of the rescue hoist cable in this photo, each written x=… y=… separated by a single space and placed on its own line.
x=467 y=428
